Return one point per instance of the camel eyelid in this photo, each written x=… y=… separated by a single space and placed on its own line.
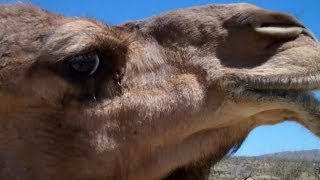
x=88 y=64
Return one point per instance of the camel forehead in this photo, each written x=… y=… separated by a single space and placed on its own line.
x=209 y=11
x=231 y=6
x=85 y=31
x=222 y=9
x=242 y=5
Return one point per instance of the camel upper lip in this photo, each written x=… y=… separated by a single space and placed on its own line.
x=293 y=82
x=297 y=90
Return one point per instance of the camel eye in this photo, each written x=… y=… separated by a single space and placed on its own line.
x=85 y=64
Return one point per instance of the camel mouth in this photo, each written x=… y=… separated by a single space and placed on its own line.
x=295 y=93
x=299 y=90
x=304 y=99
x=280 y=83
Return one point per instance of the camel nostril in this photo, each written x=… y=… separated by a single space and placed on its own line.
x=284 y=25
x=281 y=26
x=281 y=32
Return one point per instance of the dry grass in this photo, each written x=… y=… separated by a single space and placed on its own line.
x=265 y=168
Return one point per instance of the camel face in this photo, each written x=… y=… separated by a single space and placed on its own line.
x=143 y=100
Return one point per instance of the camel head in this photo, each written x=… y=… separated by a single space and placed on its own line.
x=157 y=98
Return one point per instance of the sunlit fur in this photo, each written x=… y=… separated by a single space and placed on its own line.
x=174 y=94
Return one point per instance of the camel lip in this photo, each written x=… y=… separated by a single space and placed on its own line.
x=297 y=90
x=305 y=100
x=279 y=83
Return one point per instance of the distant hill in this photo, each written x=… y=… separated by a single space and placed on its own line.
x=295 y=165
x=308 y=155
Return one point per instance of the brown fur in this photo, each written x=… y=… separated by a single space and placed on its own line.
x=181 y=90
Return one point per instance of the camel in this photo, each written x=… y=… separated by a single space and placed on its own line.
x=160 y=98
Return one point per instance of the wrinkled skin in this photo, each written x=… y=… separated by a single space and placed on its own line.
x=171 y=94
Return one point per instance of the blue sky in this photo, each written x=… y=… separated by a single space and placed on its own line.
x=264 y=139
